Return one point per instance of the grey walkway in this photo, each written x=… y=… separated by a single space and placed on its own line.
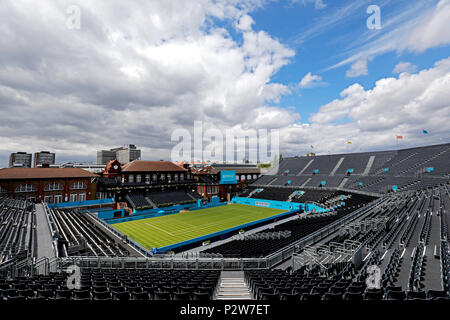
x=44 y=238
x=432 y=278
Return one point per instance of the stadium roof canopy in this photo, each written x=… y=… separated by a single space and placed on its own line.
x=151 y=166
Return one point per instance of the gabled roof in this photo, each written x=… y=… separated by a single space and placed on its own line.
x=44 y=173
x=151 y=166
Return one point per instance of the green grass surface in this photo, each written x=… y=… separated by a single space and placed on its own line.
x=166 y=230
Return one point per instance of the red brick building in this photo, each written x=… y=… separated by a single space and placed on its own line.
x=208 y=178
x=159 y=172
x=51 y=185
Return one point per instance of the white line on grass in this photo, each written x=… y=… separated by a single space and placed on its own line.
x=160 y=229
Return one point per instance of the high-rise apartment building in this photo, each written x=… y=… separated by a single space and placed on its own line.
x=124 y=154
x=43 y=157
x=20 y=159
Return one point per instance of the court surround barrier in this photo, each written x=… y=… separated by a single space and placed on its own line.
x=152 y=213
x=227 y=231
x=78 y=204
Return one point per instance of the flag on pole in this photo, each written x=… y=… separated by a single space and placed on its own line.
x=349 y=142
x=312 y=147
x=399 y=137
x=424 y=131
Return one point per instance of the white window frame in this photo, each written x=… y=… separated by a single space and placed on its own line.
x=26 y=187
x=82 y=196
x=57 y=198
x=54 y=186
x=78 y=186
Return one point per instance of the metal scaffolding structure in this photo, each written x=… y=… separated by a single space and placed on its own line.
x=323 y=255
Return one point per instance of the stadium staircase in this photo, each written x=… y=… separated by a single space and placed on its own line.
x=425 y=161
x=191 y=196
x=128 y=198
x=306 y=182
x=368 y=166
x=292 y=195
x=233 y=286
x=307 y=165
x=252 y=193
x=337 y=166
x=343 y=182
x=151 y=202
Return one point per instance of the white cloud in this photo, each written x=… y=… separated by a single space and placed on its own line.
x=133 y=73
x=359 y=68
x=245 y=23
x=319 y=4
x=310 y=80
x=415 y=29
x=126 y=77
x=404 y=67
x=371 y=118
x=431 y=31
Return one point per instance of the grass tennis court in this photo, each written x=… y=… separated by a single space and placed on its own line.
x=167 y=230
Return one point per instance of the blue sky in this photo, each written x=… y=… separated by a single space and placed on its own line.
x=326 y=47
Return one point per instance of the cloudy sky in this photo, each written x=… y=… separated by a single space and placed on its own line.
x=134 y=71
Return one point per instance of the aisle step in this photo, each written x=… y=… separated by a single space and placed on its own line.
x=233 y=287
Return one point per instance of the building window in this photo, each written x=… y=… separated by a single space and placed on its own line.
x=73 y=197
x=249 y=177
x=181 y=177
x=78 y=186
x=48 y=199
x=147 y=178
x=2 y=190
x=138 y=178
x=154 y=177
x=58 y=198
x=163 y=177
x=82 y=196
x=169 y=178
x=255 y=176
x=131 y=178
x=26 y=188
x=243 y=178
x=175 y=177
x=237 y=178
x=53 y=186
